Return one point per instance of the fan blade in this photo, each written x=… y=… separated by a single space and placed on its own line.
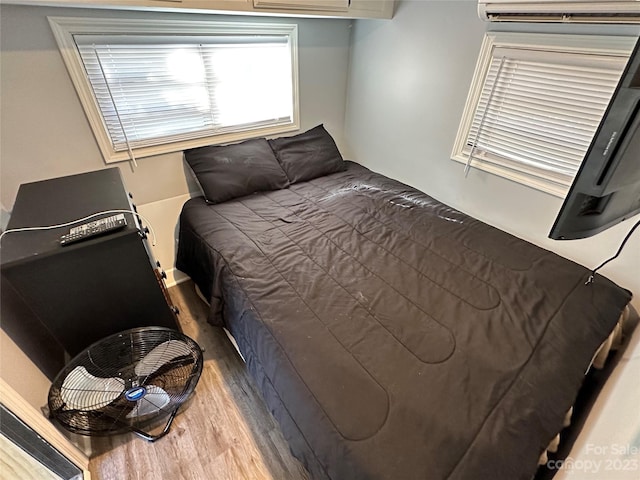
x=154 y=400
x=82 y=391
x=160 y=355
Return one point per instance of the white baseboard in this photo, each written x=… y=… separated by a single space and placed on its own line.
x=174 y=277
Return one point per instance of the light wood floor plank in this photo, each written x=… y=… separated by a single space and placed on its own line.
x=16 y=464
x=224 y=432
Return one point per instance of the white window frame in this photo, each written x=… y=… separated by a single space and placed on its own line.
x=64 y=28
x=614 y=46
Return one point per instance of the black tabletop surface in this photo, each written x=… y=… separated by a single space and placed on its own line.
x=60 y=200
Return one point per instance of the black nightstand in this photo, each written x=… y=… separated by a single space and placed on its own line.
x=59 y=299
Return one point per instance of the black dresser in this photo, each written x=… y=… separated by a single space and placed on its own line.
x=57 y=300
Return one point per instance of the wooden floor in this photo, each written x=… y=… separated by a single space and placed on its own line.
x=224 y=432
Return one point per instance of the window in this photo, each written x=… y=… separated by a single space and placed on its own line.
x=535 y=103
x=152 y=87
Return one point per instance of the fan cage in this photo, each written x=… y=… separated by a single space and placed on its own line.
x=165 y=381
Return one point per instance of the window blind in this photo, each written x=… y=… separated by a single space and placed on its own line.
x=153 y=90
x=538 y=112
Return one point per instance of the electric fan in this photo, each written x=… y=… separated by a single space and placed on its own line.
x=127 y=382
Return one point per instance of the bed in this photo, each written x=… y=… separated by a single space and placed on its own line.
x=391 y=336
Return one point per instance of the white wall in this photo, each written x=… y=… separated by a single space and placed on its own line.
x=408 y=83
x=22 y=374
x=45 y=133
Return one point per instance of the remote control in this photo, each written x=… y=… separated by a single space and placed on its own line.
x=93 y=229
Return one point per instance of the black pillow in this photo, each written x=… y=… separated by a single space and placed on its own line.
x=308 y=155
x=230 y=171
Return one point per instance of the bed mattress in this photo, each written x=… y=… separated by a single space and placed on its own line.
x=392 y=336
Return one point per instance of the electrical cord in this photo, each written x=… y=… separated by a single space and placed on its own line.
x=83 y=219
x=626 y=238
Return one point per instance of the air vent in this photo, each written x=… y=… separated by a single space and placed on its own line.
x=553 y=11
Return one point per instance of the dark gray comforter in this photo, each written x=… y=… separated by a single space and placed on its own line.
x=394 y=337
